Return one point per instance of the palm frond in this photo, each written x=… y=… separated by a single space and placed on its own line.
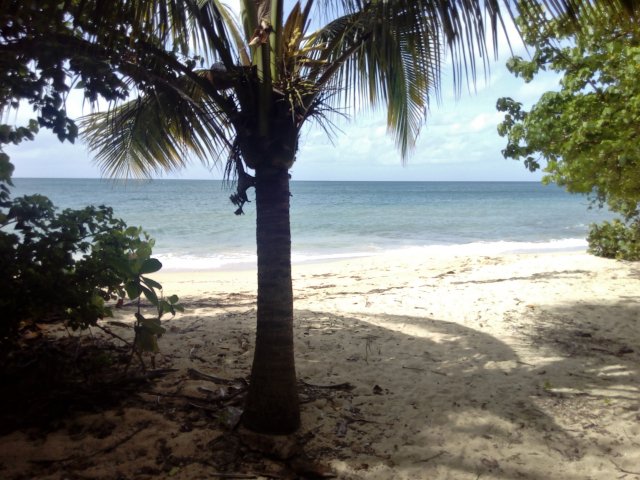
x=391 y=52
x=171 y=21
x=382 y=54
x=467 y=27
x=231 y=23
x=158 y=132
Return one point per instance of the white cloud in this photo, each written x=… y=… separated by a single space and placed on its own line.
x=529 y=93
x=483 y=120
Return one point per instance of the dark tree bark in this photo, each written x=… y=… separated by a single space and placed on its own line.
x=272 y=402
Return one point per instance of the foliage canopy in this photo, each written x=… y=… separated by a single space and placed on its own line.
x=105 y=48
x=584 y=135
x=64 y=266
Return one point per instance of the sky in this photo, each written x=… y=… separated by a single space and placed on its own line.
x=459 y=141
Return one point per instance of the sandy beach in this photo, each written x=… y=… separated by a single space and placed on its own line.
x=519 y=366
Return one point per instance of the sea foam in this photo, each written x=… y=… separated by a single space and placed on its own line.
x=242 y=261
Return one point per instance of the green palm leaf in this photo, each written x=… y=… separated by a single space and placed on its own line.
x=390 y=53
x=367 y=57
x=158 y=132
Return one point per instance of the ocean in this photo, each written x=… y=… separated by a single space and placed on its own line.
x=195 y=228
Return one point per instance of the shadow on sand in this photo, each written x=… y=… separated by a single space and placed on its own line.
x=445 y=401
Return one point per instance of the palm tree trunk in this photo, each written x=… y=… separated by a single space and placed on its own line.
x=272 y=402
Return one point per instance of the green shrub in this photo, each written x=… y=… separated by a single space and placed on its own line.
x=615 y=239
x=65 y=266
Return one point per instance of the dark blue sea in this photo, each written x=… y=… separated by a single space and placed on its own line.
x=195 y=228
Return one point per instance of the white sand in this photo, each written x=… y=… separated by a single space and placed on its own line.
x=505 y=367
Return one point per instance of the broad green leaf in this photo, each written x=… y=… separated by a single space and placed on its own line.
x=173 y=299
x=150 y=294
x=132 y=231
x=585 y=135
x=143 y=252
x=150 y=265
x=133 y=290
x=151 y=283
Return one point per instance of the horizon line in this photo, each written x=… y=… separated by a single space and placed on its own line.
x=107 y=179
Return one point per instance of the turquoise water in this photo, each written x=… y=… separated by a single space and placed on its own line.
x=195 y=228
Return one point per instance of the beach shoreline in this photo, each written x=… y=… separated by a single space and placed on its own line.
x=247 y=261
x=457 y=367
x=195 y=282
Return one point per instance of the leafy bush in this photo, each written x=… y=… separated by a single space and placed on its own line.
x=65 y=266
x=615 y=239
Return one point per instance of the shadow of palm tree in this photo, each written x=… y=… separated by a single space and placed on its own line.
x=543 y=276
x=599 y=346
x=440 y=400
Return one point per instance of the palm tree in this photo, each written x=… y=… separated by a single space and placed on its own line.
x=267 y=75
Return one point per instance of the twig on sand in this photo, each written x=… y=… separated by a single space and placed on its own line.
x=190 y=328
x=339 y=386
x=360 y=420
x=428 y=459
x=230 y=396
x=194 y=401
x=114 y=335
x=520 y=362
x=208 y=408
x=623 y=470
x=243 y=475
x=111 y=448
x=197 y=374
x=225 y=400
x=193 y=356
x=417 y=369
x=173 y=395
x=232 y=475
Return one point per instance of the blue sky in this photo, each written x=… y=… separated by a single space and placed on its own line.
x=458 y=142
